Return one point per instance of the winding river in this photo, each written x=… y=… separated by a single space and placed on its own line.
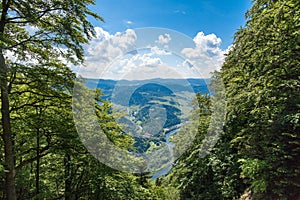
x=171 y=146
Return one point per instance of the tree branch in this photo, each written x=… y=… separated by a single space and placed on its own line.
x=32 y=104
x=5 y=6
x=30 y=160
x=30 y=39
x=41 y=14
x=13 y=78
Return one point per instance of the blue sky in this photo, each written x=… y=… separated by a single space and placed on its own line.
x=187 y=37
x=221 y=17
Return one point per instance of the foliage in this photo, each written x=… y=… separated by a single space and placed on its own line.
x=214 y=175
x=39 y=36
x=41 y=153
x=42 y=157
x=261 y=74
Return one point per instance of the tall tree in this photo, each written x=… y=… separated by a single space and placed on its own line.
x=214 y=176
x=261 y=74
x=38 y=34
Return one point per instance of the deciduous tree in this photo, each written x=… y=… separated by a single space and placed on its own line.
x=37 y=35
x=261 y=74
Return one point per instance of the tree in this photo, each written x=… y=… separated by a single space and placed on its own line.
x=38 y=35
x=51 y=161
x=261 y=74
x=214 y=175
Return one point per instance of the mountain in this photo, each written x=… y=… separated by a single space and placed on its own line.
x=176 y=85
x=149 y=92
x=139 y=96
x=151 y=106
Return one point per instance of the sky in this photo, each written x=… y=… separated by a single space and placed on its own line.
x=221 y=17
x=195 y=33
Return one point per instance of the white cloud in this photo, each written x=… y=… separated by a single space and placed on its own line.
x=105 y=48
x=164 y=39
x=32 y=29
x=141 y=60
x=116 y=56
x=206 y=56
x=129 y=22
x=180 y=12
x=158 y=51
x=108 y=57
x=131 y=66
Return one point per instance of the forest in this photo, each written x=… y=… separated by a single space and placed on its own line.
x=42 y=157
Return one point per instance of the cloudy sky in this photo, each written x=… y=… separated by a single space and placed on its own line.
x=187 y=38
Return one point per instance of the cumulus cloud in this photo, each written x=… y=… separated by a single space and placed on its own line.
x=141 y=60
x=206 y=56
x=158 y=51
x=164 y=39
x=104 y=48
x=115 y=55
x=131 y=66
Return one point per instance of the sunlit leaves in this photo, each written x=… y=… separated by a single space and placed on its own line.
x=262 y=96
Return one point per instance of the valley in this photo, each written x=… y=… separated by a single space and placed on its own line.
x=152 y=109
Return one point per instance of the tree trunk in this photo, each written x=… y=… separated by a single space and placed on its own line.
x=37 y=177
x=10 y=188
x=9 y=159
x=68 y=188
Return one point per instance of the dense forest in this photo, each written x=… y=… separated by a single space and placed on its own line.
x=42 y=157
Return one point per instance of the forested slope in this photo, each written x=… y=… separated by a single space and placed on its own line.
x=259 y=152
x=41 y=157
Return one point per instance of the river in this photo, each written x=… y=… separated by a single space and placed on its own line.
x=171 y=146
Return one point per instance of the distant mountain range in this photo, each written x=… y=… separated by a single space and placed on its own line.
x=175 y=85
x=152 y=106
